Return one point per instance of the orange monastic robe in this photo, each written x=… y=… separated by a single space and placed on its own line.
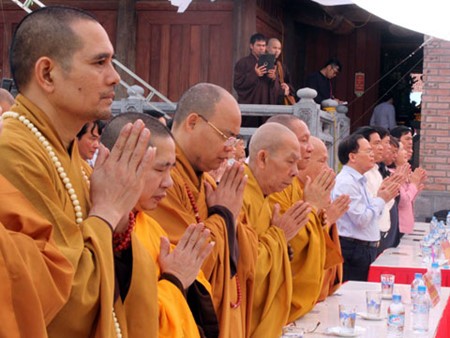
x=313 y=254
x=175 y=213
x=273 y=280
x=332 y=278
x=88 y=246
x=175 y=317
x=35 y=276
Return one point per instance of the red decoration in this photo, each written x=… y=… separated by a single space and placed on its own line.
x=122 y=241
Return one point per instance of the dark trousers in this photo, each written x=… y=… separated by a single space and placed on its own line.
x=357 y=260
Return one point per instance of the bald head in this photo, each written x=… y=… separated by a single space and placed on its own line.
x=286 y=120
x=31 y=40
x=205 y=126
x=201 y=98
x=301 y=130
x=273 y=156
x=319 y=146
x=115 y=125
x=317 y=162
x=274 y=47
x=6 y=100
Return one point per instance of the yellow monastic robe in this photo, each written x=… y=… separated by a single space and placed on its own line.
x=35 y=276
x=175 y=317
x=332 y=278
x=273 y=280
x=88 y=246
x=175 y=213
x=312 y=255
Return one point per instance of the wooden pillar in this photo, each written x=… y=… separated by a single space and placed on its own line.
x=244 y=17
x=126 y=41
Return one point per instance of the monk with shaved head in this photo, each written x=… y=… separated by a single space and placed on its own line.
x=205 y=125
x=318 y=162
x=6 y=100
x=273 y=155
x=311 y=255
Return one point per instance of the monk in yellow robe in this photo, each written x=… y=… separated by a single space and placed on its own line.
x=310 y=254
x=176 y=271
x=62 y=65
x=318 y=162
x=273 y=155
x=35 y=276
x=205 y=126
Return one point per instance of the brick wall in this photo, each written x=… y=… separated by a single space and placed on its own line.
x=435 y=128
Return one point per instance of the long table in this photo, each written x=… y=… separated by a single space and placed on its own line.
x=353 y=293
x=405 y=260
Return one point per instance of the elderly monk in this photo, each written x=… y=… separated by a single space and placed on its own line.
x=36 y=277
x=176 y=270
x=318 y=162
x=6 y=100
x=205 y=125
x=273 y=156
x=310 y=254
x=61 y=61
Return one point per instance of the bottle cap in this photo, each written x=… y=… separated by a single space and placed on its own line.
x=396 y=298
x=417 y=275
x=434 y=265
x=422 y=288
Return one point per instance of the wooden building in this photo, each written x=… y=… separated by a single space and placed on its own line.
x=172 y=51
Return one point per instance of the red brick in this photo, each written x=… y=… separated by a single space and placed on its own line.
x=445 y=140
x=430 y=159
x=438 y=92
x=442 y=180
x=435 y=78
x=443 y=153
x=435 y=173
x=436 y=119
x=435 y=146
x=435 y=187
x=438 y=133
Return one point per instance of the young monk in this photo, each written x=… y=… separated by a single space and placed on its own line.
x=176 y=270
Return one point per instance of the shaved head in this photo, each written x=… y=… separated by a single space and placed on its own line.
x=6 y=100
x=269 y=137
x=31 y=42
x=301 y=130
x=115 y=125
x=274 y=47
x=317 y=162
x=201 y=98
x=286 y=120
x=273 y=156
x=319 y=146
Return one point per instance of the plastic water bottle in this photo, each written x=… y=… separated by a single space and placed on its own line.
x=447 y=221
x=433 y=223
x=396 y=317
x=420 y=310
x=427 y=247
x=418 y=281
x=436 y=277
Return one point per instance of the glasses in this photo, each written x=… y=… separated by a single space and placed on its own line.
x=228 y=141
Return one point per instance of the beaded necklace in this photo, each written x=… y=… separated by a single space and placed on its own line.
x=64 y=178
x=57 y=163
x=198 y=220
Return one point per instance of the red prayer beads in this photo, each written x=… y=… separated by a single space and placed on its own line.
x=122 y=241
x=193 y=203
